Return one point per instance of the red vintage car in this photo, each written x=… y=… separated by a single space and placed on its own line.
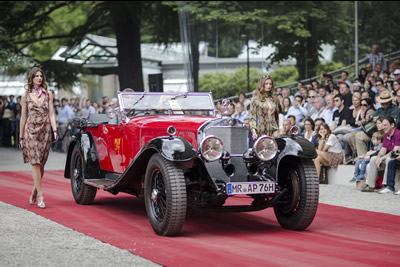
x=177 y=152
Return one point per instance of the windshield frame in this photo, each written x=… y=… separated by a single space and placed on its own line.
x=174 y=96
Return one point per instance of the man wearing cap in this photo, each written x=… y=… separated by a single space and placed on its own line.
x=387 y=109
x=396 y=74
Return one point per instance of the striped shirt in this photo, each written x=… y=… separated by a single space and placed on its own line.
x=375 y=59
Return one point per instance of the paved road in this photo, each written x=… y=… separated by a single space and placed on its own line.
x=29 y=239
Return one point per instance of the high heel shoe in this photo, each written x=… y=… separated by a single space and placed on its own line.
x=41 y=202
x=32 y=198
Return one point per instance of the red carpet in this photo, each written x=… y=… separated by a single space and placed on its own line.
x=337 y=237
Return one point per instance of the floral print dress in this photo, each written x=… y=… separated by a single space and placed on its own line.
x=37 y=133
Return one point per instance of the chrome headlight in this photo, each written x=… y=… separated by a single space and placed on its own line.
x=265 y=148
x=211 y=148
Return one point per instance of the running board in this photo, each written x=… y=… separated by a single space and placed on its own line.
x=99 y=183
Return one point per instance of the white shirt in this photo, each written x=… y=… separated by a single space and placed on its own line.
x=335 y=146
x=329 y=115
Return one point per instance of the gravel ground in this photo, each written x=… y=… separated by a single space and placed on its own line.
x=27 y=239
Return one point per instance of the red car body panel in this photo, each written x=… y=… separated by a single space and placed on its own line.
x=116 y=147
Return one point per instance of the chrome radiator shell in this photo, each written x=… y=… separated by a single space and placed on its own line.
x=235 y=141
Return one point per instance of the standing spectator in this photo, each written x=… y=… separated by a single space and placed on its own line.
x=391 y=141
x=89 y=108
x=249 y=135
x=264 y=109
x=375 y=57
x=240 y=113
x=329 y=149
x=65 y=116
x=244 y=100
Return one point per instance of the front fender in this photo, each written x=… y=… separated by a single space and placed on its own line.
x=296 y=146
x=87 y=147
x=172 y=148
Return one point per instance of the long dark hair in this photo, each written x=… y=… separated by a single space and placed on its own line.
x=31 y=76
x=326 y=126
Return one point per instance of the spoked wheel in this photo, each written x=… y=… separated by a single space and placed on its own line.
x=83 y=194
x=302 y=196
x=165 y=196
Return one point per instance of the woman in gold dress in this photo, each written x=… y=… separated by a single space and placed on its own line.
x=264 y=109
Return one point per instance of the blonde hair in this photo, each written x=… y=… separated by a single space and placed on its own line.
x=31 y=76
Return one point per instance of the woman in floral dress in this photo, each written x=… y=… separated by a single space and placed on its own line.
x=264 y=109
x=35 y=134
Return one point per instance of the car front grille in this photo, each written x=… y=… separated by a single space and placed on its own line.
x=235 y=141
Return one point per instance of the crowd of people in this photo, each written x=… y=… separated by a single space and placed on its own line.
x=65 y=110
x=348 y=122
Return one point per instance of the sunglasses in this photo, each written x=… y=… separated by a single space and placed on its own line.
x=364 y=105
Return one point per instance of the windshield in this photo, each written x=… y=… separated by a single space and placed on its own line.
x=135 y=103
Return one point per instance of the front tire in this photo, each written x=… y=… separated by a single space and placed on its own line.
x=83 y=194
x=165 y=196
x=301 y=181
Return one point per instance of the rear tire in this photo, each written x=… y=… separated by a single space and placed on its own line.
x=165 y=196
x=301 y=181
x=83 y=194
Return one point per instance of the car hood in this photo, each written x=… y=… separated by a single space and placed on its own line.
x=155 y=126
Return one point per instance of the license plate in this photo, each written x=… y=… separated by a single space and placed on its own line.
x=245 y=188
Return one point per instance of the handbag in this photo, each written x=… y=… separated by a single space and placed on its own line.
x=369 y=127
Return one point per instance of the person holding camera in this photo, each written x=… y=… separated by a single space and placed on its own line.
x=391 y=141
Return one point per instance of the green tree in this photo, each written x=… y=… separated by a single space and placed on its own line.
x=299 y=28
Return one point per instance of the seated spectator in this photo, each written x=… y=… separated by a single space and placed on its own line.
x=322 y=93
x=240 y=114
x=357 y=87
x=292 y=120
x=329 y=109
x=329 y=149
x=309 y=127
x=297 y=110
x=286 y=92
x=391 y=141
x=363 y=75
x=286 y=104
x=317 y=124
x=342 y=115
x=344 y=90
x=319 y=109
x=286 y=128
x=362 y=162
x=331 y=86
x=344 y=78
x=309 y=105
x=367 y=109
x=392 y=166
x=387 y=109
